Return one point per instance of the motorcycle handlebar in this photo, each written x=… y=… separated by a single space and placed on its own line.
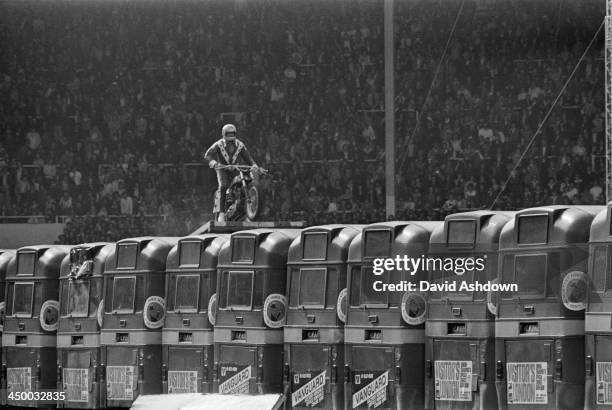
x=242 y=168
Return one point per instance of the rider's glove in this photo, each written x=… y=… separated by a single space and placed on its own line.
x=254 y=167
x=212 y=163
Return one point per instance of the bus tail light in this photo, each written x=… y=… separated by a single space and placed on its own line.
x=286 y=371
x=38 y=373
x=3 y=373
x=347 y=373
x=483 y=370
x=96 y=372
x=398 y=375
x=205 y=373
x=588 y=365
x=59 y=373
x=558 y=369
x=334 y=365
x=204 y=365
x=141 y=365
x=216 y=371
x=164 y=372
x=499 y=370
x=102 y=372
x=260 y=371
x=428 y=369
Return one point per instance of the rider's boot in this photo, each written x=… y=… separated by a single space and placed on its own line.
x=221 y=217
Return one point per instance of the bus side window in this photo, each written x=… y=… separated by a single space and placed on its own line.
x=39 y=298
x=600 y=254
x=553 y=280
x=395 y=298
x=108 y=295
x=142 y=289
x=332 y=287
x=205 y=291
x=355 y=285
x=171 y=293
x=507 y=274
x=259 y=286
x=95 y=289
x=609 y=269
x=9 y=299
x=294 y=287
x=222 y=297
x=65 y=308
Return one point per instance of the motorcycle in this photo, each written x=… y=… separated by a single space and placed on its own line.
x=242 y=198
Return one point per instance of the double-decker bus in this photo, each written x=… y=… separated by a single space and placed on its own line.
x=134 y=309
x=539 y=329
x=248 y=335
x=598 y=316
x=187 y=335
x=78 y=335
x=460 y=327
x=314 y=331
x=32 y=312
x=384 y=334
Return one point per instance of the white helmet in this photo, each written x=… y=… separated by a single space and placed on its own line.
x=227 y=128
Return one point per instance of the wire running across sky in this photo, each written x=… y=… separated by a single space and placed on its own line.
x=431 y=85
x=552 y=106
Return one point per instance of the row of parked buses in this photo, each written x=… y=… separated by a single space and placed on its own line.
x=295 y=312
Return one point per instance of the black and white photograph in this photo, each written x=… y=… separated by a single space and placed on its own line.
x=291 y=204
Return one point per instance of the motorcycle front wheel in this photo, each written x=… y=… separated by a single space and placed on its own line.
x=252 y=203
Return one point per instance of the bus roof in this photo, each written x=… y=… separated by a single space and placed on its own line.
x=96 y=251
x=468 y=230
x=5 y=258
x=394 y=238
x=147 y=253
x=552 y=225
x=39 y=261
x=324 y=243
x=601 y=228
x=257 y=247
x=196 y=252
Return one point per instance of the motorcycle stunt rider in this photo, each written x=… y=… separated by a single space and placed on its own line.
x=229 y=150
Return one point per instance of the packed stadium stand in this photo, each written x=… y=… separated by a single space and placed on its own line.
x=106 y=108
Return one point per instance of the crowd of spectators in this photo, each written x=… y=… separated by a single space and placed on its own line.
x=106 y=108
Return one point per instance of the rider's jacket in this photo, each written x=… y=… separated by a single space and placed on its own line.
x=229 y=153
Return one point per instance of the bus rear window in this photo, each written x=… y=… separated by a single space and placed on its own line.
x=77 y=298
x=530 y=274
x=123 y=294
x=461 y=233
x=532 y=229
x=314 y=246
x=239 y=289
x=189 y=254
x=25 y=263
x=187 y=289
x=437 y=276
x=312 y=287
x=377 y=243
x=368 y=296
x=243 y=250
x=22 y=299
x=126 y=255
